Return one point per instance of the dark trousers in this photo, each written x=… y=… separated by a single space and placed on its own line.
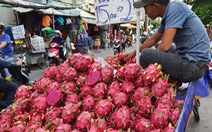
x=9 y=90
x=172 y=64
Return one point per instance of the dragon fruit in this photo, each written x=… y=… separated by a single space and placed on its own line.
x=127 y=87
x=36 y=118
x=93 y=77
x=142 y=125
x=74 y=58
x=160 y=117
x=83 y=120
x=42 y=84
x=23 y=103
x=54 y=98
x=95 y=66
x=88 y=103
x=81 y=80
x=39 y=104
x=169 y=128
x=52 y=112
x=131 y=71
x=106 y=74
x=151 y=74
x=113 y=88
x=165 y=100
x=160 y=88
x=103 y=107
x=72 y=98
x=32 y=128
x=69 y=111
x=85 y=90
x=174 y=116
x=145 y=106
x=99 y=90
x=21 y=117
x=52 y=124
x=63 y=128
x=121 y=118
x=139 y=81
x=54 y=86
x=22 y=92
x=18 y=126
x=69 y=87
x=120 y=99
x=120 y=74
x=70 y=75
x=101 y=125
x=139 y=93
x=83 y=63
x=50 y=72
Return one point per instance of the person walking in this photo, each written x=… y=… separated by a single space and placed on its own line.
x=180 y=25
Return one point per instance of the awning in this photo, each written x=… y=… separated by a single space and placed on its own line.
x=128 y=25
x=51 y=11
x=89 y=21
x=79 y=12
x=22 y=10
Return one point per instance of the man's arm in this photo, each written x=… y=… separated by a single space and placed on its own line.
x=3 y=44
x=167 y=40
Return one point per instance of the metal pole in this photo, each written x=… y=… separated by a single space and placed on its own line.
x=137 y=36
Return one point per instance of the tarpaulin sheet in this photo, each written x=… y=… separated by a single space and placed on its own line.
x=197 y=88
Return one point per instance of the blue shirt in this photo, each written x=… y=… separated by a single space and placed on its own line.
x=191 y=39
x=8 y=49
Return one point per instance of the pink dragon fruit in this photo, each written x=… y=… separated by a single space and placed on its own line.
x=42 y=85
x=88 y=103
x=174 y=116
x=54 y=98
x=165 y=100
x=75 y=130
x=70 y=75
x=160 y=117
x=131 y=71
x=160 y=87
x=63 y=128
x=145 y=106
x=142 y=125
x=121 y=118
x=139 y=80
x=39 y=104
x=120 y=99
x=139 y=93
x=21 y=117
x=106 y=74
x=113 y=88
x=81 y=80
x=93 y=77
x=36 y=118
x=32 y=127
x=18 y=127
x=120 y=74
x=52 y=124
x=22 y=92
x=103 y=107
x=54 y=86
x=99 y=90
x=151 y=74
x=69 y=87
x=85 y=90
x=52 y=112
x=50 y=72
x=101 y=125
x=95 y=66
x=72 y=98
x=169 y=128
x=83 y=63
x=127 y=87
x=24 y=103
x=83 y=120
x=74 y=58
x=69 y=112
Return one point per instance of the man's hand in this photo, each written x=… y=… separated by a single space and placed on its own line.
x=129 y=55
x=18 y=63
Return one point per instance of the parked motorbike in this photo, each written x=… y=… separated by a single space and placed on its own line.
x=53 y=53
x=20 y=75
x=116 y=47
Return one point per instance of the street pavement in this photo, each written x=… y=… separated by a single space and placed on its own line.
x=205 y=110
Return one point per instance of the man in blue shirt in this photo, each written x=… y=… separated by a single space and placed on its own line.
x=181 y=26
x=5 y=46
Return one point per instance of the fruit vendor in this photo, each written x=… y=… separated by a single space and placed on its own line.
x=181 y=26
x=8 y=88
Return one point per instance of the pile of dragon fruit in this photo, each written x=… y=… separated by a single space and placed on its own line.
x=80 y=95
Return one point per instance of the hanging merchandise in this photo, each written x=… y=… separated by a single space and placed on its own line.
x=85 y=26
x=82 y=35
x=60 y=20
x=46 y=21
x=68 y=21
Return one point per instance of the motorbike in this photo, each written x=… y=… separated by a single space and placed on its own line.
x=20 y=75
x=116 y=47
x=53 y=53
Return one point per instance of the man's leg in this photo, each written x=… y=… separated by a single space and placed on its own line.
x=9 y=88
x=172 y=64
